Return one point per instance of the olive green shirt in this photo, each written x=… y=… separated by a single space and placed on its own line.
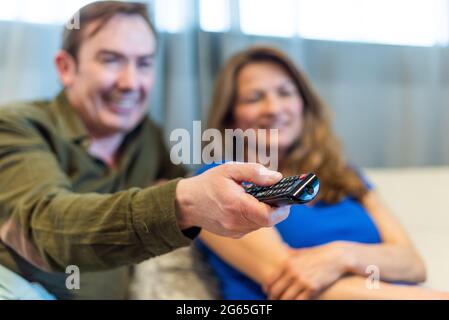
x=60 y=206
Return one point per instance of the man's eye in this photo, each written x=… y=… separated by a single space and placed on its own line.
x=145 y=64
x=109 y=60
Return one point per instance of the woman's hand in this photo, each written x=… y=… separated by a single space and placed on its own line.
x=307 y=272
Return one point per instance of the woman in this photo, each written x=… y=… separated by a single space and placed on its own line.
x=346 y=244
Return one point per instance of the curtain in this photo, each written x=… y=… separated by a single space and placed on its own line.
x=390 y=104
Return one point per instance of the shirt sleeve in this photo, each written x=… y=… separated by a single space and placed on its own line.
x=168 y=170
x=51 y=226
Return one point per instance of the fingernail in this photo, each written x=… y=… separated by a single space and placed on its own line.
x=269 y=173
x=280 y=214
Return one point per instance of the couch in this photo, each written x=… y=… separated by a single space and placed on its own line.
x=419 y=197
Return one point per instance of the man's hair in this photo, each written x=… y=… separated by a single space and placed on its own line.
x=101 y=12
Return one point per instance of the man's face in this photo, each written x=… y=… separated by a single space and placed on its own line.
x=114 y=75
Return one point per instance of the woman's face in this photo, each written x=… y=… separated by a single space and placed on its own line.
x=267 y=98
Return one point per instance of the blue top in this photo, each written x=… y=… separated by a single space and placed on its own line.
x=306 y=226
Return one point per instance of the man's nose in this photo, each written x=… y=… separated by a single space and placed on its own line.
x=128 y=79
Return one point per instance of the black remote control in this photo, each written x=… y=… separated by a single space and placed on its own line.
x=289 y=190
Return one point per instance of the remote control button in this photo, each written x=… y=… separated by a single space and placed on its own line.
x=309 y=190
x=283 y=190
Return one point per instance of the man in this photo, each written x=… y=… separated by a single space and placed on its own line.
x=75 y=173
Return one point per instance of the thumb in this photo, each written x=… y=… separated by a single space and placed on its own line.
x=251 y=172
x=280 y=214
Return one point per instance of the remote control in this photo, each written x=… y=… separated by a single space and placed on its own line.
x=289 y=190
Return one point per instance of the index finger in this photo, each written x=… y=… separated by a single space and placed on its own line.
x=252 y=172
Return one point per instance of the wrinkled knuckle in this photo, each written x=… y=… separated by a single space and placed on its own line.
x=230 y=208
x=312 y=287
x=239 y=235
x=226 y=224
x=228 y=167
x=270 y=222
x=232 y=224
x=291 y=267
x=225 y=169
x=233 y=235
x=255 y=168
x=244 y=210
x=290 y=273
x=265 y=219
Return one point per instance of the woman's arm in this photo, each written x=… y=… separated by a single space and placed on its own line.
x=396 y=257
x=292 y=273
x=356 y=287
x=262 y=253
x=258 y=255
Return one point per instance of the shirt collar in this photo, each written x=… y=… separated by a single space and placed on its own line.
x=68 y=120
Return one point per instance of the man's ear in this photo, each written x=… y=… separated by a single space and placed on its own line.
x=66 y=67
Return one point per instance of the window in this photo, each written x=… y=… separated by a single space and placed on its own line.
x=214 y=15
x=402 y=22
x=418 y=22
x=40 y=11
x=170 y=15
x=272 y=18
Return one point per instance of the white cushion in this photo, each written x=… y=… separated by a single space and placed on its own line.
x=419 y=197
x=179 y=275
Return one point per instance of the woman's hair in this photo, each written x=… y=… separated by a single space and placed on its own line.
x=316 y=150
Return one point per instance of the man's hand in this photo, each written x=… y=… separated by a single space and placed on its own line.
x=307 y=272
x=216 y=201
